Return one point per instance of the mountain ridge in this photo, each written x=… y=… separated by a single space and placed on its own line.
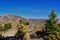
x=7 y=18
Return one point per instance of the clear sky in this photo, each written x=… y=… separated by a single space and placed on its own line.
x=30 y=8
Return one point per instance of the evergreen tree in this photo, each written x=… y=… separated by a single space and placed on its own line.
x=51 y=27
x=51 y=24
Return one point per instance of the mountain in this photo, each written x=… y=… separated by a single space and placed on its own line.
x=14 y=19
x=38 y=21
x=7 y=18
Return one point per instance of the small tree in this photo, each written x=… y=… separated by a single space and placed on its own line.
x=35 y=29
x=1 y=28
x=7 y=26
x=24 y=29
x=51 y=26
x=52 y=23
x=4 y=27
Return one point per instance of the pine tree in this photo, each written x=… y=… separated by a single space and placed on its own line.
x=51 y=24
x=51 y=27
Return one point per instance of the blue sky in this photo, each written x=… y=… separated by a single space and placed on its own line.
x=30 y=8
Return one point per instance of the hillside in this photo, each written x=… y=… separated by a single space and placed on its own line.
x=14 y=19
x=7 y=18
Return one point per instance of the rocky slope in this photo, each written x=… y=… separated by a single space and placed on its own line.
x=14 y=18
